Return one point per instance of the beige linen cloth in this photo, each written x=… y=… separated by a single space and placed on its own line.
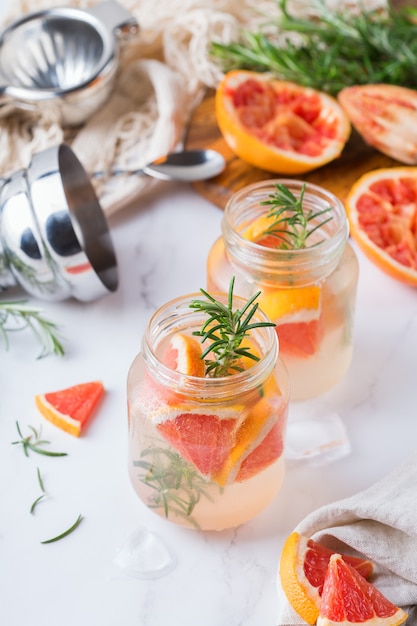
x=380 y=523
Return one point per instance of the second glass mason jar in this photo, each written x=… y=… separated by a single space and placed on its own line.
x=204 y=452
x=309 y=293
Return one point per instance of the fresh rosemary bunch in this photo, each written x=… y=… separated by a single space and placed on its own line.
x=291 y=220
x=334 y=50
x=226 y=329
x=18 y=315
x=177 y=485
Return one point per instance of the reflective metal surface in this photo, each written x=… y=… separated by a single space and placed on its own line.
x=64 y=58
x=54 y=238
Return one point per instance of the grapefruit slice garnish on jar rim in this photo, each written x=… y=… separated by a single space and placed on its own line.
x=382 y=212
x=279 y=126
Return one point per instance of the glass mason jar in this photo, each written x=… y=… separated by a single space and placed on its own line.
x=205 y=453
x=308 y=293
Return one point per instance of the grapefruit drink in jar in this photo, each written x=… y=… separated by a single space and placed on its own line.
x=289 y=240
x=207 y=408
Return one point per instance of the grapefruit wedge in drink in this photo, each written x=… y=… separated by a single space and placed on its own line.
x=207 y=407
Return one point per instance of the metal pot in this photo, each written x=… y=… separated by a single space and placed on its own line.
x=63 y=58
x=54 y=238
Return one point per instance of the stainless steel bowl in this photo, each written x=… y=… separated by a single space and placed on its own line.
x=54 y=238
x=64 y=58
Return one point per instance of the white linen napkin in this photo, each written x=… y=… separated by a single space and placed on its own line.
x=379 y=523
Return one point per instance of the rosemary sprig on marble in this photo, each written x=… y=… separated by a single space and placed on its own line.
x=34 y=443
x=17 y=315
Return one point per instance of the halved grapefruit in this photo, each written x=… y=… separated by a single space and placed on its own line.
x=386 y=118
x=382 y=211
x=349 y=599
x=302 y=570
x=71 y=408
x=279 y=126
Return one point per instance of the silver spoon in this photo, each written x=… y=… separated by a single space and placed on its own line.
x=186 y=166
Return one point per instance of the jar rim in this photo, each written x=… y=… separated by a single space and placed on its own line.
x=176 y=316
x=243 y=207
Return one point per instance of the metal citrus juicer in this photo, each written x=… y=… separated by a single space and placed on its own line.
x=54 y=238
x=63 y=58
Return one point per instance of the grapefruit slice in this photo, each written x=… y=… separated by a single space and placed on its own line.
x=382 y=211
x=266 y=453
x=253 y=431
x=348 y=598
x=279 y=126
x=301 y=339
x=203 y=440
x=71 y=408
x=184 y=355
x=386 y=118
x=302 y=570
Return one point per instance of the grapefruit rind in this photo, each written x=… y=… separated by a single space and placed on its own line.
x=70 y=409
x=376 y=254
x=303 y=599
x=264 y=155
x=348 y=599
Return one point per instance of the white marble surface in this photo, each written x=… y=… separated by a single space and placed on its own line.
x=226 y=578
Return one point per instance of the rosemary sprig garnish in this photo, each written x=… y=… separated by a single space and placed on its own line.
x=34 y=442
x=290 y=220
x=42 y=496
x=66 y=532
x=21 y=315
x=226 y=329
x=334 y=50
x=177 y=484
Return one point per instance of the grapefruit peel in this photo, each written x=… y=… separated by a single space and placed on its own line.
x=71 y=408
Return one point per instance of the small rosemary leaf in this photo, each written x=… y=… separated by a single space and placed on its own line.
x=40 y=481
x=66 y=532
x=45 y=452
x=32 y=508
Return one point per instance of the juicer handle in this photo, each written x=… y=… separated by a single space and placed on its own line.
x=115 y=18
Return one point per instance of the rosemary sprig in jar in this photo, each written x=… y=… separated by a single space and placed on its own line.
x=177 y=485
x=226 y=329
x=290 y=220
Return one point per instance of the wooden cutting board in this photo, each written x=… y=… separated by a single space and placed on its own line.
x=338 y=176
